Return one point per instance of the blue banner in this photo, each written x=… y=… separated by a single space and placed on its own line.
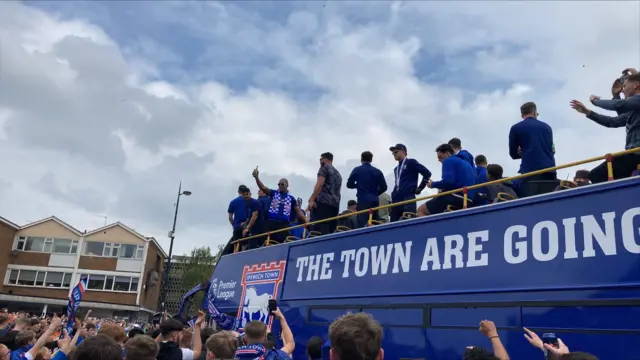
x=74 y=301
x=189 y=294
x=590 y=241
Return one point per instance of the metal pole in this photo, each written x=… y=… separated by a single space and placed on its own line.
x=168 y=266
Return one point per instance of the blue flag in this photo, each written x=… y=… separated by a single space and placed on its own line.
x=186 y=296
x=74 y=301
x=223 y=320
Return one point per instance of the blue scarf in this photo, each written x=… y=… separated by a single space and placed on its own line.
x=18 y=354
x=250 y=352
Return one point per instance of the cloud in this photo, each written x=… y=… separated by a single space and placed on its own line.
x=104 y=109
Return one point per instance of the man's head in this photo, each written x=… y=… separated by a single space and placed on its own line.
x=299 y=202
x=261 y=193
x=114 y=331
x=581 y=178
x=221 y=345
x=283 y=185
x=314 y=348
x=529 y=109
x=578 y=355
x=97 y=347
x=91 y=329
x=171 y=330
x=326 y=158
x=141 y=347
x=444 y=151
x=244 y=191
x=631 y=85
x=25 y=337
x=399 y=151
x=481 y=160
x=22 y=324
x=494 y=172
x=356 y=337
x=456 y=144
x=476 y=353
x=366 y=157
x=255 y=332
x=352 y=205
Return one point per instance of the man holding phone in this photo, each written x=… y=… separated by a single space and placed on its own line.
x=255 y=337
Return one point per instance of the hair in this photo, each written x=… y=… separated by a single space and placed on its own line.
x=445 y=148
x=135 y=332
x=351 y=203
x=495 y=171
x=222 y=344
x=635 y=77
x=186 y=339
x=90 y=326
x=24 y=337
x=366 y=156
x=42 y=354
x=23 y=322
x=355 y=337
x=4 y=318
x=114 y=331
x=314 y=347
x=528 y=108
x=476 y=353
x=455 y=143
x=578 y=355
x=97 y=347
x=327 y=155
x=206 y=333
x=255 y=331
x=141 y=347
x=582 y=174
x=34 y=321
x=168 y=326
x=481 y=160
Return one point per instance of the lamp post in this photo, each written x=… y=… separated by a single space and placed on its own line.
x=172 y=237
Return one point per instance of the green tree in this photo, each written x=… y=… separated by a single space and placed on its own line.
x=198 y=268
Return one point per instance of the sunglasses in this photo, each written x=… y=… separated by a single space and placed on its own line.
x=281 y=184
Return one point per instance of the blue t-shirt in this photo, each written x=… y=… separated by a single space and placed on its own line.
x=281 y=207
x=242 y=210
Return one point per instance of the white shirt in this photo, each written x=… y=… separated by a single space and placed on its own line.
x=187 y=354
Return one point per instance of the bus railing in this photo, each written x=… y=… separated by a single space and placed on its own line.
x=608 y=158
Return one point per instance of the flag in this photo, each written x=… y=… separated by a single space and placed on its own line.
x=192 y=322
x=186 y=297
x=74 y=301
x=223 y=320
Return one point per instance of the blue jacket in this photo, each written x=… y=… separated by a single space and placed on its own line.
x=456 y=174
x=368 y=181
x=535 y=138
x=466 y=156
x=408 y=183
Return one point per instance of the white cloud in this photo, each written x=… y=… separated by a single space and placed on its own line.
x=94 y=125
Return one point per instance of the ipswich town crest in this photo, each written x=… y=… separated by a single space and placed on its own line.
x=260 y=283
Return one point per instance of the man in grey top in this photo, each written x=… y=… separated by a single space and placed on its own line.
x=629 y=110
x=324 y=203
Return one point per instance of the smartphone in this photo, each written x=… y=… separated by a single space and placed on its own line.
x=551 y=339
x=273 y=305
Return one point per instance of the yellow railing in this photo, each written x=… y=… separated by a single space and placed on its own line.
x=607 y=157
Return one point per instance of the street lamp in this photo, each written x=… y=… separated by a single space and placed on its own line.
x=172 y=237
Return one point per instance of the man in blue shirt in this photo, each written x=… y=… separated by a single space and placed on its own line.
x=456 y=144
x=282 y=206
x=243 y=213
x=369 y=183
x=406 y=181
x=531 y=140
x=265 y=201
x=481 y=178
x=456 y=174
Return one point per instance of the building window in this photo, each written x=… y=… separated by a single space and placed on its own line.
x=96 y=282
x=111 y=283
x=93 y=248
x=111 y=250
x=128 y=251
x=65 y=246
x=34 y=244
x=39 y=278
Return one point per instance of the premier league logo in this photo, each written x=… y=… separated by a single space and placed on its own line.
x=260 y=283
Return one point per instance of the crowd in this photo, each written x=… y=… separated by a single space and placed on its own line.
x=350 y=337
x=530 y=141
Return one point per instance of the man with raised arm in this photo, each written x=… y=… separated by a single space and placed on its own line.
x=282 y=206
x=255 y=337
x=629 y=108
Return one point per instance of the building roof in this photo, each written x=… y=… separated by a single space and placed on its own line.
x=79 y=233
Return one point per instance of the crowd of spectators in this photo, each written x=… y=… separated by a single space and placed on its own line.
x=530 y=142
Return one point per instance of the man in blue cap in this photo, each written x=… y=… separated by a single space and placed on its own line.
x=406 y=181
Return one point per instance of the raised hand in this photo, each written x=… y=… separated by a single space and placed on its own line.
x=579 y=107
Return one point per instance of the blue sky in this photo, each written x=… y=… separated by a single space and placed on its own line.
x=106 y=106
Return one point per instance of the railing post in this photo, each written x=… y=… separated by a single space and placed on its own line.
x=370 y=221
x=236 y=247
x=268 y=242
x=609 y=159
x=304 y=230
x=465 y=197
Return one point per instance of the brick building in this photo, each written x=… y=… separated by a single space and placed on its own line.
x=42 y=261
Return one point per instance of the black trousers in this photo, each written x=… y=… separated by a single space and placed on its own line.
x=273 y=225
x=325 y=211
x=363 y=219
x=623 y=166
x=395 y=213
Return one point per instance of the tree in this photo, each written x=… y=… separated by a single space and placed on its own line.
x=198 y=268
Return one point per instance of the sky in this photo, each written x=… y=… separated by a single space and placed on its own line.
x=106 y=106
